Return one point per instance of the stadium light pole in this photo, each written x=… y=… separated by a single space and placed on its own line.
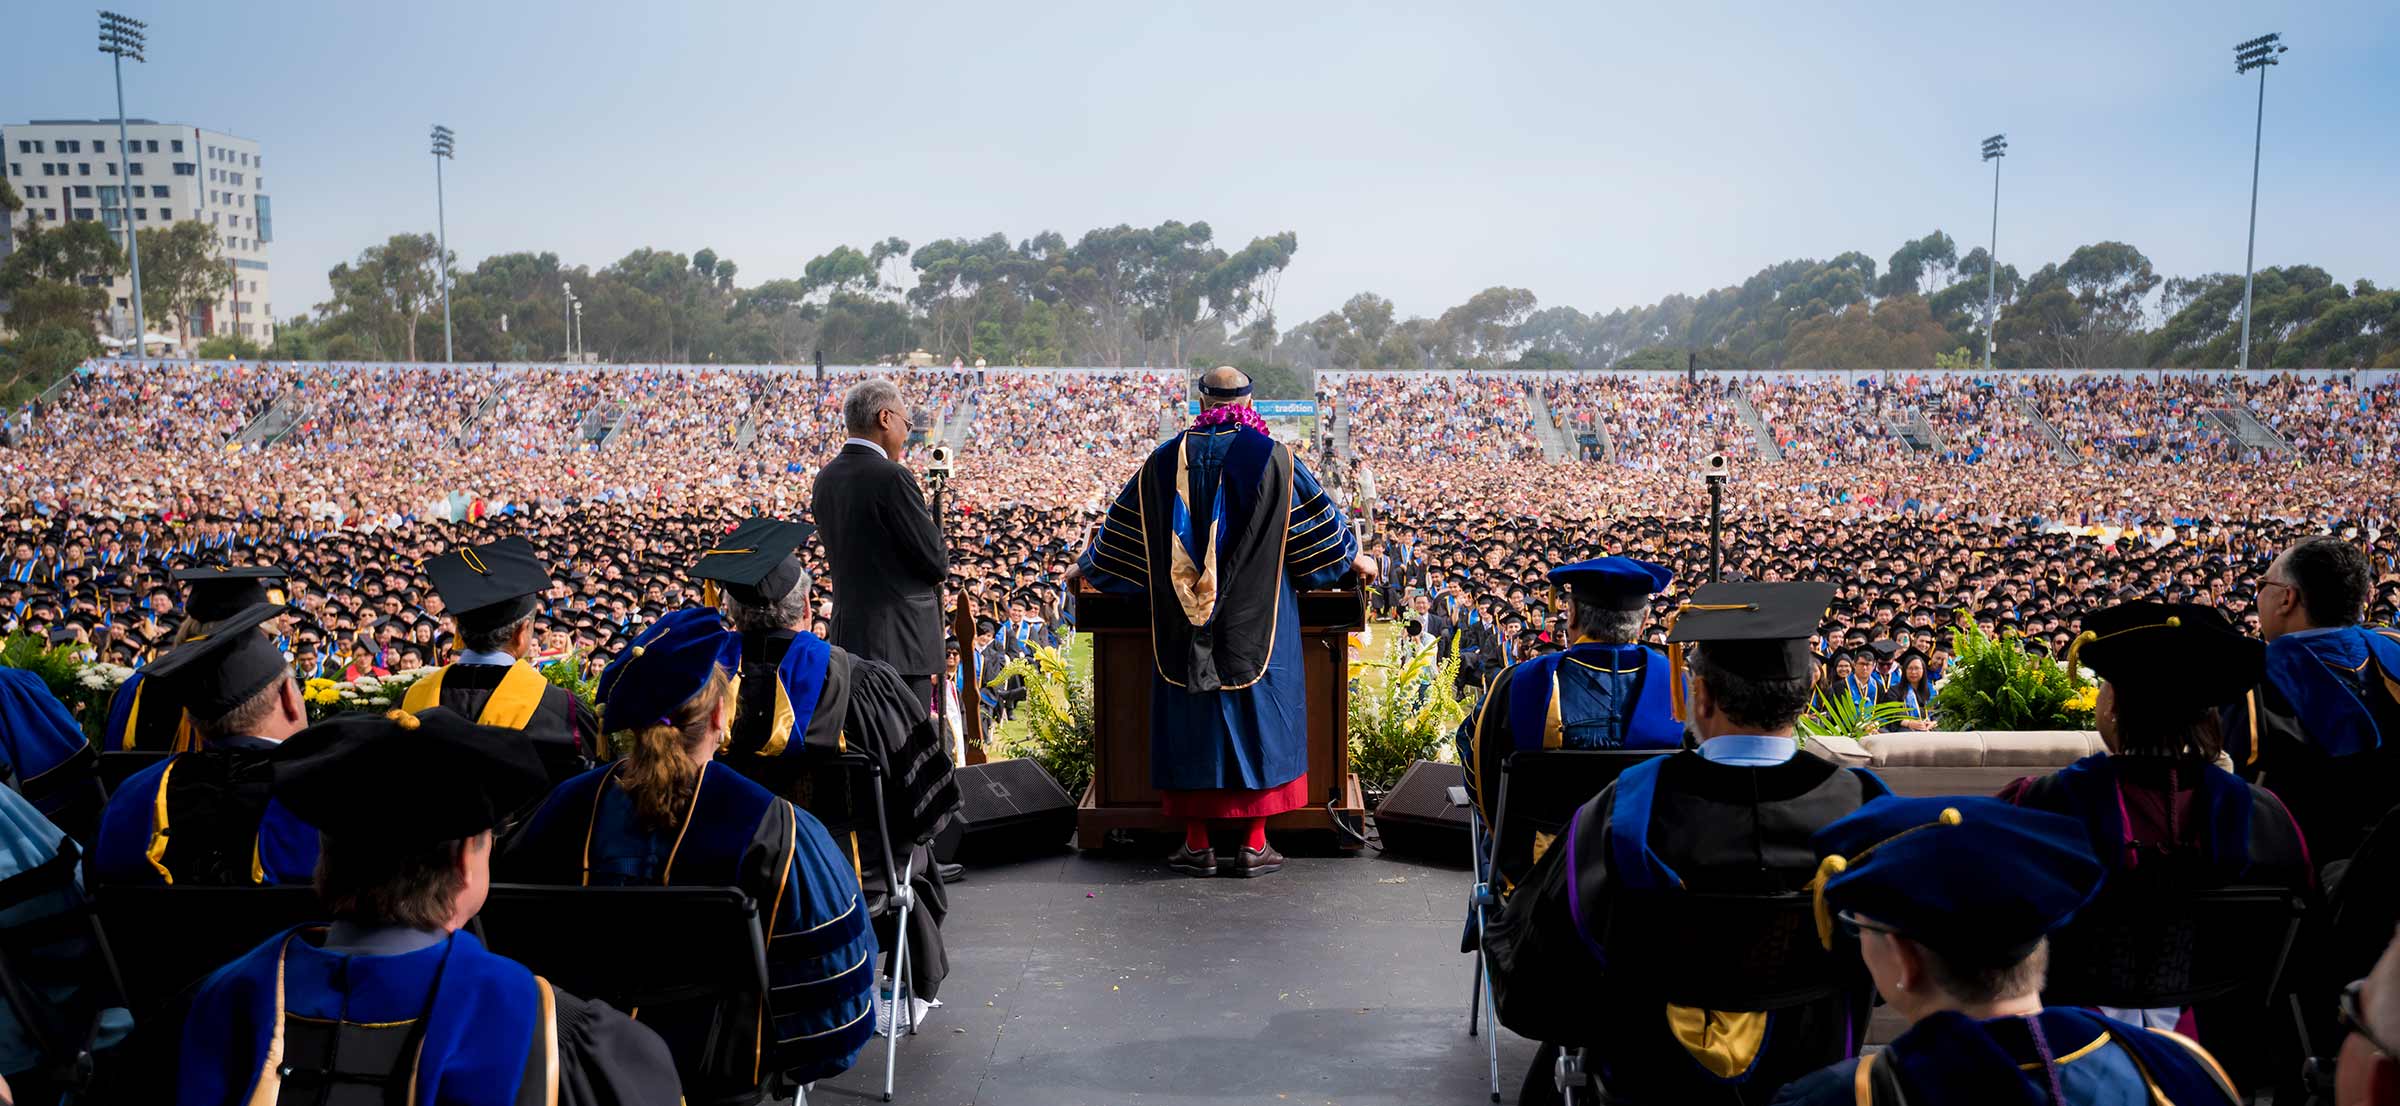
x=566 y=309
x=441 y=215
x=2258 y=53
x=122 y=38
x=1994 y=148
x=579 y=331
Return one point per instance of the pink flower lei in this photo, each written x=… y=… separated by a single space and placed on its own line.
x=1238 y=413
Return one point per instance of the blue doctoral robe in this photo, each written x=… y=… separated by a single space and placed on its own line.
x=141 y=719
x=2323 y=732
x=1207 y=498
x=1950 y=1057
x=821 y=949
x=484 y=1031
x=48 y=759
x=1592 y=696
x=261 y=844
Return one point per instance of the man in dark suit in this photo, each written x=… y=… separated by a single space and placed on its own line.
x=886 y=553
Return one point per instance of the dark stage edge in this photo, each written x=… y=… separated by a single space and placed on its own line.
x=1103 y=978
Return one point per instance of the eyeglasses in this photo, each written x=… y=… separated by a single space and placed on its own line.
x=1851 y=925
x=2355 y=1020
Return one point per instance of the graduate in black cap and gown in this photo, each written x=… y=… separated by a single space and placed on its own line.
x=1733 y=816
x=206 y=817
x=1606 y=691
x=492 y=593
x=394 y=993
x=144 y=718
x=804 y=699
x=667 y=814
x=1951 y=901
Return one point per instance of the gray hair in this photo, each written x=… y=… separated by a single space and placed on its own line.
x=1609 y=627
x=866 y=400
x=767 y=618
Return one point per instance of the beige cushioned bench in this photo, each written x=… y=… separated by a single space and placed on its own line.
x=1937 y=762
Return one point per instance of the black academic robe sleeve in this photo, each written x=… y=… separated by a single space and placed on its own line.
x=608 y=1059
x=1544 y=976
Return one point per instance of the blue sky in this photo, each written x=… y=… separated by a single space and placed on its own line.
x=1602 y=155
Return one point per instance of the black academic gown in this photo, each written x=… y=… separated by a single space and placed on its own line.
x=1722 y=828
x=564 y=732
x=2337 y=800
x=840 y=702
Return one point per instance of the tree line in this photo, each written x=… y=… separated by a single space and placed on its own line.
x=1172 y=295
x=2103 y=306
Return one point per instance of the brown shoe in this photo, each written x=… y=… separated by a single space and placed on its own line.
x=1202 y=863
x=1258 y=862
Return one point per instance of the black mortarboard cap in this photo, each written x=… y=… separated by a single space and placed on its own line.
x=403 y=779
x=489 y=586
x=755 y=561
x=219 y=593
x=1753 y=628
x=219 y=670
x=2170 y=652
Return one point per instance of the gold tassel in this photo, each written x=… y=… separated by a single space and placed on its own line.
x=1830 y=867
x=708 y=593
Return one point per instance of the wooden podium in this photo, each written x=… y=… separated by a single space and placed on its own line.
x=1120 y=795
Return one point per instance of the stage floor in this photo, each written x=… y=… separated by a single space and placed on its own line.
x=1102 y=979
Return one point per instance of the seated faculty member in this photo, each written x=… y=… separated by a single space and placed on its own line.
x=393 y=994
x=803 y=700
x=1733 y=816
x=208 y=817
x=492 y=592
x=1953 y=901
x=668 y=814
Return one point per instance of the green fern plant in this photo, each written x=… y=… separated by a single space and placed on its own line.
x=1407 y=715
x=1058 y=721
x=1845 y=716
x=1997 y=684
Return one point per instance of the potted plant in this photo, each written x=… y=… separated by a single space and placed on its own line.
x=1055 y=725
x=1403 y=708
x=1997 y=684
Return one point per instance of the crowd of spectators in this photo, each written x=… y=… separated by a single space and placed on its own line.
x=137 y=457
x=1430 y=418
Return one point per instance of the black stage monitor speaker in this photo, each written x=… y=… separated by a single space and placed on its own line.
x=1011 y=809
x=1417 y=817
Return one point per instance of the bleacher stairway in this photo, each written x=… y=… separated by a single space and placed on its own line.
x=1762 y=436
x=1555 y=445
x=1914 y=428
x=2249 y=429
x=274 y=422
x=2049 y=433
x=962 y=420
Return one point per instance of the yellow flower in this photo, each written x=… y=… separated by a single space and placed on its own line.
x=2084 y=700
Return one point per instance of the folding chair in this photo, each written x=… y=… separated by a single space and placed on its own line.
x=1764 y=957
x=858 y=780
x=120 y=765
x=165 y=939
x=55 y=973
x=1540 y=791
x=712 y=971
x=2341 y=943
x=2146 y=947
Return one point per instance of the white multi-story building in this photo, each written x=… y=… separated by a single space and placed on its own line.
x=67 y=169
